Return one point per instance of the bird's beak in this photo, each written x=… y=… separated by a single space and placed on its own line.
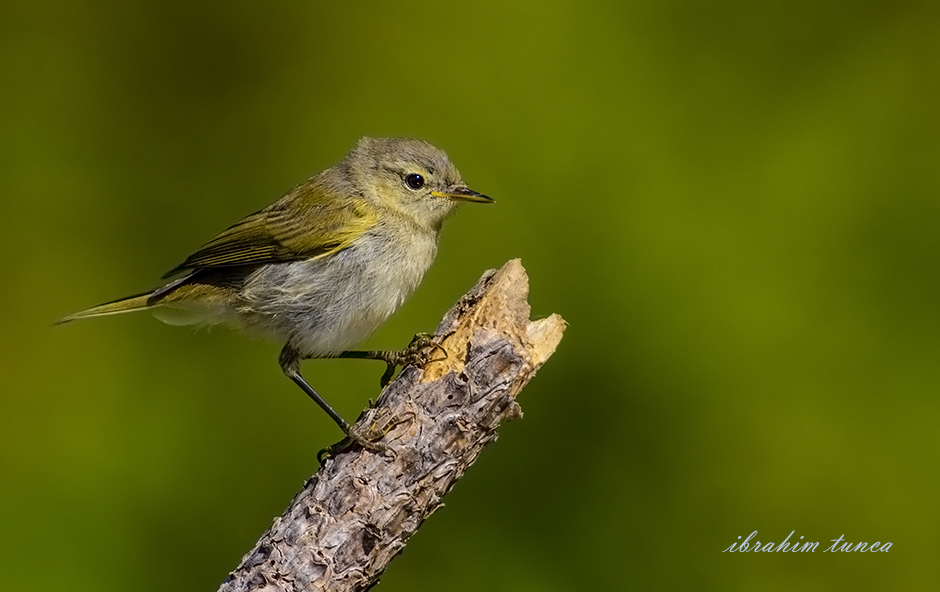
x=463 y=194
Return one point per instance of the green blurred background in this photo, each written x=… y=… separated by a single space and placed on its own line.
x=734 y=205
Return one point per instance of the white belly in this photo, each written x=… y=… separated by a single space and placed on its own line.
x=325 y=306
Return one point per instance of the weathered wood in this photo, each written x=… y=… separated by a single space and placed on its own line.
x=359 y=510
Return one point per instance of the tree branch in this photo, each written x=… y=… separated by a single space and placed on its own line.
x=359 y=510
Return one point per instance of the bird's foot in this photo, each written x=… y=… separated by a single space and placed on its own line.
x=419 y=352
x=365 y=437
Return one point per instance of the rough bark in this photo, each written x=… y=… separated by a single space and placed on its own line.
x=359 y=510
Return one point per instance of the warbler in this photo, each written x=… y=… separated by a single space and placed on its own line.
x=322 y=267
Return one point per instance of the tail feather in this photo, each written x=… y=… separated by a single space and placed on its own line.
x=129 y=304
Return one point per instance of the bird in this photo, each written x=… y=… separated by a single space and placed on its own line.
x=323 y=266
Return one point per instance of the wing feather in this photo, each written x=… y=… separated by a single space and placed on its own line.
x=309 y=221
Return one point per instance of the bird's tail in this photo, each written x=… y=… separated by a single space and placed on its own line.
x=129 y=304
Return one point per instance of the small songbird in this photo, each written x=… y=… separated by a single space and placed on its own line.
x=322 y=267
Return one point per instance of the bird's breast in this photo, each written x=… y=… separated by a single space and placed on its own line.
x=326 y=305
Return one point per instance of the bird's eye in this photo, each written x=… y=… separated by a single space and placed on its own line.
x=415 y=181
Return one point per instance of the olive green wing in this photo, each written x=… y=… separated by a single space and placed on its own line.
x=303 y=224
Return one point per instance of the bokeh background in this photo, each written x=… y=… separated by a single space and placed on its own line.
x=735 y=206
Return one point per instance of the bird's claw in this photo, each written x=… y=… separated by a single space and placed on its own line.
x=418 y=352
x=367 y=438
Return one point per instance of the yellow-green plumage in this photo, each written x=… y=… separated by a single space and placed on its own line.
x=129 y=304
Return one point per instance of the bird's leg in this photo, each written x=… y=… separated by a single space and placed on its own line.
x=418 y=352
x=290 y=364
